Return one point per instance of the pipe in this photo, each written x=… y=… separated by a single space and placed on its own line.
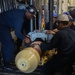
x=1 y=2
x=51 y=14
x=31 y=21
x=60 y=6
x=40 y=13
x=46 y=11
x=34 y=3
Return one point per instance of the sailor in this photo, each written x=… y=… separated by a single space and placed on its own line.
x=13 y=18
x=64 y=41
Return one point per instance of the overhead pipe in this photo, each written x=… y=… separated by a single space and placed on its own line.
x=15 y=3
x=1 y=4
x=31 y=21
x=57 y=7
x=51 y=2
x=4 y=7
x=46 y=11
x=34 y=3
x=40 y=13
x=60 y=6
x=7 y=4
x=65 y=5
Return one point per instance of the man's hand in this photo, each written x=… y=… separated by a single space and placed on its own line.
x=27 y=40
x=50 y=32
x=55 y=30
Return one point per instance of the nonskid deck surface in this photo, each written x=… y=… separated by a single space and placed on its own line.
x=18 y=72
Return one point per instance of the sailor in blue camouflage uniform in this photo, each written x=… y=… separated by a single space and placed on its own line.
x=13 y=18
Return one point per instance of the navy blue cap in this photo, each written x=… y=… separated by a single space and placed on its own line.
x=31 y=9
